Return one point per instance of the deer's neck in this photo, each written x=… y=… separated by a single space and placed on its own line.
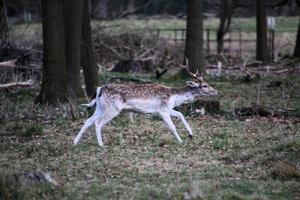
x=183 y=95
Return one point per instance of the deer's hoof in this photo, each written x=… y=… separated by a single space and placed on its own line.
x=191 y=136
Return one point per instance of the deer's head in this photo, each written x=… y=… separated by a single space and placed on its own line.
x=199 y=85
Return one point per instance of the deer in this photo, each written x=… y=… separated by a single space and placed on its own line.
x=111 y=99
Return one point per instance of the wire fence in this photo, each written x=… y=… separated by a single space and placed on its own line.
x=237 y=42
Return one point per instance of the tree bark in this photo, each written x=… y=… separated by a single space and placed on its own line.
x=73 y=12
x=262 y=50
x=54 y=83
x=297 y=47
x=88 y=54
x=194 y=36
x=3 y=25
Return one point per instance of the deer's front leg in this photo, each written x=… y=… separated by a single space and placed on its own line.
x=167 y=119
x=102 y=121
x=181 y=117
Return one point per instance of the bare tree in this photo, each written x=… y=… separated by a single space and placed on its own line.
x=88 y=59
x=54 y=84
x=3 y=25
x=101 y=8
x=194 y=35
x=226 y=11
x=262 y=50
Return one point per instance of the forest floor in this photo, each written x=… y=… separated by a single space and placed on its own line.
x=228 y=158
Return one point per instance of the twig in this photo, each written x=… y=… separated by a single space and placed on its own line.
x=73 y=110
x=143 y=54
x=258 y=94
x=284 y=97
x=224 y=58
x=113 y=50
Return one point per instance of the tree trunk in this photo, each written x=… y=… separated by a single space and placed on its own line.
x=3 y=26
x=194 y=36
x=73 y=12
x=54 y=84
x=88 y=55
x=262 y=50
x=225 y=21
x=101 y=9
x=130 y=6
x=297 y=47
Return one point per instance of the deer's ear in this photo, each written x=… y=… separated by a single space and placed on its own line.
x=192 y=84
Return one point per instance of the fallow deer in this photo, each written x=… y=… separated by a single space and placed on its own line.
x=111 y=99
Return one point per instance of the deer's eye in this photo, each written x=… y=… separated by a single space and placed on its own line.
x=204 y=86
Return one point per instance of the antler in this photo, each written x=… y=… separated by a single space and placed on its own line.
x=195 y=75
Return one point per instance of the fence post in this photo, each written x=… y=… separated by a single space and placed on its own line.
x=158 y=33
x=182 y=34
x=240 y=41
x=208 y=41
x=272 y=43
x=230 y=36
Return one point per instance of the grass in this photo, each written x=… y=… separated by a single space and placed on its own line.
x=228 y=159
x=285 y=29
x=27 y=31
x=212 y=23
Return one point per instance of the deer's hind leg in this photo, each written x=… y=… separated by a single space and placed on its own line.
x=88 y=123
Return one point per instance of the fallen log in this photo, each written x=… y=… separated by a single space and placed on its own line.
x=28 y=83
x=260 y=111
x=254 y=110
x=9 y=63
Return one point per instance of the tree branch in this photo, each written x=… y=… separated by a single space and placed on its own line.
x=28 y=83
x=9 y=63
x=278 y=4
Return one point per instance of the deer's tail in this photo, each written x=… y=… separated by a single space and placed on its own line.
x=95 y=99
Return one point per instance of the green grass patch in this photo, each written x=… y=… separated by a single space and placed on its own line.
x=24 y=129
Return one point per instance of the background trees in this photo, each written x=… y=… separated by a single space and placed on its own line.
x=225 y=10
x=78 y=45
x=63 y=31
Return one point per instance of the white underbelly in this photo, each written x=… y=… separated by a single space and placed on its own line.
x=143 y=105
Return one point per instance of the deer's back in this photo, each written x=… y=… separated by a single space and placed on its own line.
x=136 y=91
